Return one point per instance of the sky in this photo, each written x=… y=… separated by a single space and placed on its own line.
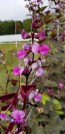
x=14 y=9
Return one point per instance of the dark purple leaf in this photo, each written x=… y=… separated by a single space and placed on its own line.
x=7 y=96
x=10 y=127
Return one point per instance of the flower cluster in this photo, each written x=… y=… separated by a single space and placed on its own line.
x=33 y=64
x=27 y=94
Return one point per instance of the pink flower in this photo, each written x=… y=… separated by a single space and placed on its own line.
x=44 y=49
x=35 y=48
x=21 y=54
x=37 y=97
x=40 y=36
x=16 y=70
x=50 y=92
x=39 y=72
x=25 y=35
x=61 y=85
x=21 y=70
x=18 y=115
x=28 y=61
x=31 y=95
x=36 y=65
x=37 y=23
x=27 y=48
x=3 y=116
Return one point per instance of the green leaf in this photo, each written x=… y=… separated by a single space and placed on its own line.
x=37 y=129
x=45 y=98
x=50 y=83
x=56 y=104
x=8 y=112
x=60 y=112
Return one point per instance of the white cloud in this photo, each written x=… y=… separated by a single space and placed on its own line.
x=14 y=9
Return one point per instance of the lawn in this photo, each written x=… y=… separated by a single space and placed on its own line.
x=11 y=61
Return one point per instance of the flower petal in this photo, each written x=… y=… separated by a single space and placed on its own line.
x=39 y=72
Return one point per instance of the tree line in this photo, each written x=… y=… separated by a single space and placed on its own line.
x=8 y=27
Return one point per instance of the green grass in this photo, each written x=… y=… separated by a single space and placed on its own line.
x=11 y=61
x=8 y=47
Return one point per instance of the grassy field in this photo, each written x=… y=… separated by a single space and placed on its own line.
x=10 y=60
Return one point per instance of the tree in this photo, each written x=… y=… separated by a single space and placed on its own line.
x=27 y=24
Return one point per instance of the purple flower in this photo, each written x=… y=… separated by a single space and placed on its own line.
x=50 y=92
x=37 y=97
x=31 y=95
x=61 y=85
x=27 y=48
x=44 y=49
x=37 y=23
x=25 y=35
x=40 y=36
x=18 y=115
x=36 y=65
x=3 y=116
x=39 y=72
x=16 y=70
x=21 y=54
x=21 y=70
x=35 y=48
x=28 y=61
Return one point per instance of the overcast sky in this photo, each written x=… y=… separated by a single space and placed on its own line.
x=14 y=9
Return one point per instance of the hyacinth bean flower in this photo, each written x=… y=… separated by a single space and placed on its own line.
x=61 y=85
x=40 y=36
x=35 y=96
x=37 y=23
x=17 y=70
x=37 y=66
x=21 y=54
x=25 y=35
x=35 y=48
x=39 y=72
x=50 y=92
x=18 y=116
x=43 y=49
x=3 y=116
x=28 y=61
x=27 y=48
